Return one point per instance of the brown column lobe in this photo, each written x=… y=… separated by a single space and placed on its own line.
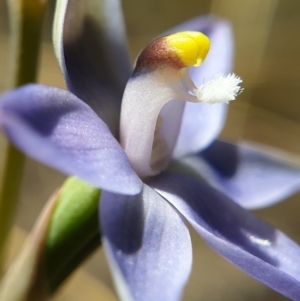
x=156 y=55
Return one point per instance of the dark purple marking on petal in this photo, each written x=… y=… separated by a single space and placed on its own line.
x=58 y=129
x=94 y=59
x=223 y=157
x=249 y=243
x=147 y=244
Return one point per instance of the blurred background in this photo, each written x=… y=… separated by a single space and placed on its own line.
x=268 y=111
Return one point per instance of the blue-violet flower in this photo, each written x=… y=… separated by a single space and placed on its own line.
x=162 y=117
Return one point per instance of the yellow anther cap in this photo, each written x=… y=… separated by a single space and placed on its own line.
x=190 y=46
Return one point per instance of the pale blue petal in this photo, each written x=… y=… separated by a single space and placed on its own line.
x=202 y=123
x=252 y=178
x=58 y=129
x=246 y=241
x=147 y=244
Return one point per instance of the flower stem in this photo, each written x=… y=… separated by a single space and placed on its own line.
x=12 y=175
x=26 y=19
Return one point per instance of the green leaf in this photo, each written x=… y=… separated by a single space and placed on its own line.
x=73 y=232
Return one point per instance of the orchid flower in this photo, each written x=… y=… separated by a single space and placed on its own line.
x=163 y=118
